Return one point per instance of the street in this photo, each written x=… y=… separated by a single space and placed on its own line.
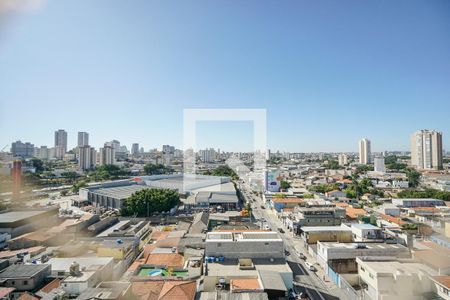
x=306 y=280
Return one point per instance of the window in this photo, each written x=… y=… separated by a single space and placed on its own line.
x=267 y=244
x=13 y=282
x=25 y=282
x=219 y=244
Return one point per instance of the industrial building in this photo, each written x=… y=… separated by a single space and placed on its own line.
x=18 y=222
x=112 y=194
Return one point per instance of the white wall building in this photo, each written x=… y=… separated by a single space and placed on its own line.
x=87 y=157
x=107 y=155
x=426 y=150
x=60 y=143
x=207 y=155
x=364 y=151
x=342 y=159
x=395 y=280
x=379 y=165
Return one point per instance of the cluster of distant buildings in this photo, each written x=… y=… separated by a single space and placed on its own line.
x=426 y=152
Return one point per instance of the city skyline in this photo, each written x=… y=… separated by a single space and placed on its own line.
x=205 y=146
x=327 y=75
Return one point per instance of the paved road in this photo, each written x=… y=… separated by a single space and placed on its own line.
x=307 y=280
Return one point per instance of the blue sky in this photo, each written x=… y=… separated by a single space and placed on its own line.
x=328 y=72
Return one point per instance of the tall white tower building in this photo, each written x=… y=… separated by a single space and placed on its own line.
x=364 y=151
x=60 y=143
x=426 y=149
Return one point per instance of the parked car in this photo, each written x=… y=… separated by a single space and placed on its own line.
x=280 y=230
x=310 y=266
x=301 y=255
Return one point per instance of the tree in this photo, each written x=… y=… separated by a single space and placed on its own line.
x=413 y=177
x=284 y=185
x=78 y=185
x=107 y=172
x=279 y=196
x=156 y=169
x=38 y=165
x=145 y=202
x=70 y=175
x=332 y=164
x=224 y=171
x=427 y=193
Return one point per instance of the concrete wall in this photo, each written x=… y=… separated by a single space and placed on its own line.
x=328 y=236
x=248 y=249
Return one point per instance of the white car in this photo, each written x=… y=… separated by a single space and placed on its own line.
x=310 y=266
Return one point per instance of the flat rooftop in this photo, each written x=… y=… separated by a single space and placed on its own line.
x=14 y=216
x=121 y=192
x=243 y=236
x=111 y=229
x=395 y=267
x=323 y=228
x=18 y=271
x=365 y=226
x=350 y=246
x=64 y=263
x=230 y=267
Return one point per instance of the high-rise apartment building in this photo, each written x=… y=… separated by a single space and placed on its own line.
x=364 y=151
x=60 y=143
x=207 y=155
x=426 y=149
x=342 y=159
x=107 y=155
x=167 y=149
x=135 y=149
x=379 y=165
x=87 y=155
x=42 y=152
x=22 y=149
x=83 y=139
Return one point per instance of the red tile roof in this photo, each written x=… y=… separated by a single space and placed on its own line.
x=443 y=280
x=288 y=200
x=28 y=296
x=4 y=291
x=166 y=259
x=51 y=286
x=247 y=284
x=392 y=219
x=164 y=290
